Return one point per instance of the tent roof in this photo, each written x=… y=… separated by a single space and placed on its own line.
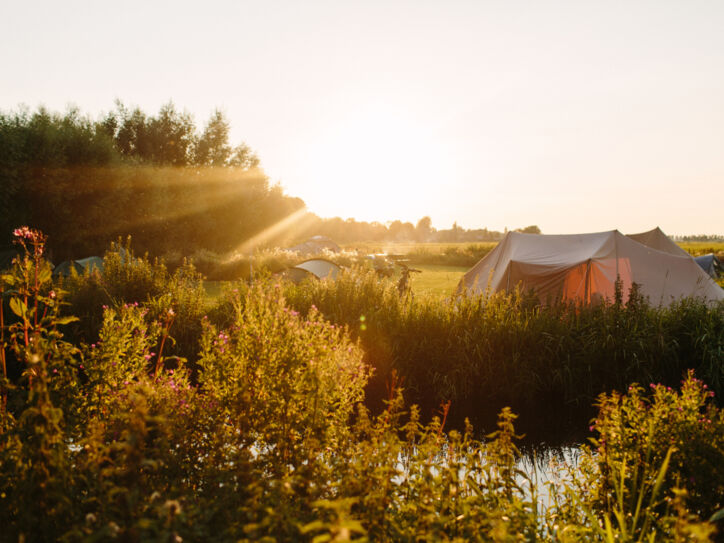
x=320 y=268
x=656 y=239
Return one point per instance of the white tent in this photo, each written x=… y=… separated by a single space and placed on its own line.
x=320 y=268
x=584 y=267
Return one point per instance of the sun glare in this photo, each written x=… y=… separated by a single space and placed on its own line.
x=376 y=164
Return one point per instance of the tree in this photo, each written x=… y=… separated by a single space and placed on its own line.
x=424 y=229
x=167 y=139
x=533 y=229
x=213 y=147
x=172 y=137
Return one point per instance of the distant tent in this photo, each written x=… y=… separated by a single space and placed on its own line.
x=320 y=268
x=297 y=275
x=585 y=267
x=711 y=265
x=91 y=263
x=316 y=245
x=316 y=268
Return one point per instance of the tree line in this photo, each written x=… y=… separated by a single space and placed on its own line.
x=170 y=184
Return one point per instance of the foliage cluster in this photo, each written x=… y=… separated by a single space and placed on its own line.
x=84 y=182
x=131 y=280
x=656 y=455
x=270 y=440
x=506 y=349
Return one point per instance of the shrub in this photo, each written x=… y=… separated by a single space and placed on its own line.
x=484 y=353
x=127 y=279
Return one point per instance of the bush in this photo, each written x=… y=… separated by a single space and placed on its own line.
x=484 y=353
x=127 y=279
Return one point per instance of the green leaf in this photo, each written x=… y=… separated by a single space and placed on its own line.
x=312 y=526
x=66 y=320
x=44 y=275
x=719 y=515
x=18 y=307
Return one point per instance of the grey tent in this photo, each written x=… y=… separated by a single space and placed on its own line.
x=316 y=267
x=585 y=267
x=320 y=268
x=711 y=265
x=80 y=266
x=297 y=275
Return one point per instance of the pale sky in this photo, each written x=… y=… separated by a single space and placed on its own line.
x=577 y=116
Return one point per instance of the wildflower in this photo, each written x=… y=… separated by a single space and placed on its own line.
x=23 y=232
x=51 y=295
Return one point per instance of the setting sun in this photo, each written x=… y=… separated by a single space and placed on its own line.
x=376 y=163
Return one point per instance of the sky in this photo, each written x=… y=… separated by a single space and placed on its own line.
x=576 y=116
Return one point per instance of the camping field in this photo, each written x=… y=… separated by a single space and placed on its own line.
x=442 y=264
x=698 y=248
x=437 y=280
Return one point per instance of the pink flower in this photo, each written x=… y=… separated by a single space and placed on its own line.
x=24 y=233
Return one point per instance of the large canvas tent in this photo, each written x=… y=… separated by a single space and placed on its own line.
x=584 y=267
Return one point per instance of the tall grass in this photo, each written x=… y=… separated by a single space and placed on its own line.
x=506 y=349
